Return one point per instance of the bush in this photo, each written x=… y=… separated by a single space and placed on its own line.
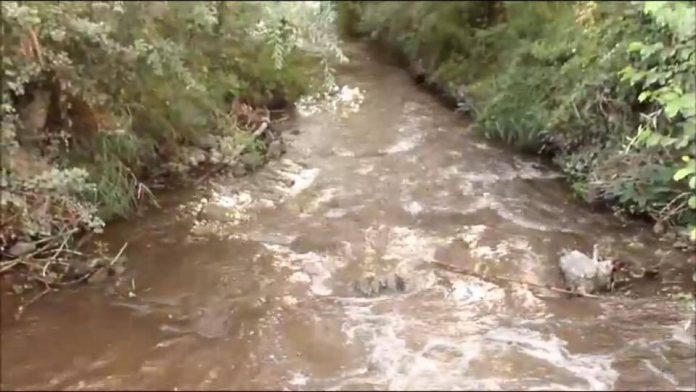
x=607 y=88
x=101 y=94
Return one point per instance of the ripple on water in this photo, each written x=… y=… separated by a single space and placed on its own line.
x=403 y=145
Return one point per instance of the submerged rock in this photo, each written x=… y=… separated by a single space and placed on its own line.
x=217 y=212
x=586 y=275
x=21 y=248
x=417 y=71
x=373 y=286
x=275 y=149
x=238 y=170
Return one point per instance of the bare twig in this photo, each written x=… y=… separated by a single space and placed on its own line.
x=125 y=244
x=9 y=265
x=37 y=47
x=461 y=271
x=23 y=307
x=55 y=254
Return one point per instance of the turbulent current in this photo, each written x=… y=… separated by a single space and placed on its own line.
x=389 y=184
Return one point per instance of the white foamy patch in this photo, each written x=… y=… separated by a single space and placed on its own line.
x=522 y=221
x=299 y=277
x=413 y=208
x=324 y=196
x=303 y=180
x=409 y=247
x=471 y=234
x=481 y=146
x=525 y=299
x=310 y=268
x=298 y=379
x=241 y=199
x=403 y=145
x=336 y=213
x=595 y=370
x=365 y=169
x=345 y=100
x=342 y=152
x=505 y=247
x=468 y=291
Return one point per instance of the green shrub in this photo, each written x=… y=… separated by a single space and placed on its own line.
x=128 y=82
x=608 y=87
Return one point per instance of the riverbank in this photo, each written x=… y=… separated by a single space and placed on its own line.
x=102 y=102
x=564 y=81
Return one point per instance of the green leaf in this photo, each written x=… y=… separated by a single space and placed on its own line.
x=653 y=140
x=692 y=202
x=672 y=107
x=668 y=141
x=685 y=171
x=692 y=182
x=651 y=7
x=635 y=46
x=643 y=96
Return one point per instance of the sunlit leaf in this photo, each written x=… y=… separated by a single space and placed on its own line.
x=687 y=170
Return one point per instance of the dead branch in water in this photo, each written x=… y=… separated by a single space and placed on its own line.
x=462 y=271
x=120 y=252
x=22 y=308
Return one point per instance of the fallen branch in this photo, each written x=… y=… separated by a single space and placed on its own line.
x=461 y=271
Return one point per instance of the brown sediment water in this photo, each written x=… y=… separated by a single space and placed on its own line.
x=267 y=302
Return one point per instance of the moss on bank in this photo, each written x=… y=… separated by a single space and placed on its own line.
x=607 y=89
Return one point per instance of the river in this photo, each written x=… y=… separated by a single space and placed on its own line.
x=267 y=302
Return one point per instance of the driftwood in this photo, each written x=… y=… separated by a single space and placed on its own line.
x=462 y=271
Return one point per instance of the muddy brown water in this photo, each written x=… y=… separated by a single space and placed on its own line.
x=392 y=187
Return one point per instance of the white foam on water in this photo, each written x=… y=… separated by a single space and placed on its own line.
x=413 y=208
x=344 y=100
x=409 y=247
x=342 y=152
x=336 y=213
x=473 y=290
x=298 y=379
x=310 y=268
x=303 y=180
x=365 y=169
x=403 y=145
x=595 y=370
x=471 y=234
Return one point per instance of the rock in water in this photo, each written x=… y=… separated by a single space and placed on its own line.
x=275 y=149
x=215 y=212
x=21 y=249
x=417 y=71
x=373 y=286
x=584 y=274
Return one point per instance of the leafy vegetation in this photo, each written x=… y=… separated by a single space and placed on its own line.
x=606 y=88
x=98 y=96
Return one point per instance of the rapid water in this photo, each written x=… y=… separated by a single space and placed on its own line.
x=266 y=302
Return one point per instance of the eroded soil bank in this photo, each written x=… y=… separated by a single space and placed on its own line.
x=264 y=299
